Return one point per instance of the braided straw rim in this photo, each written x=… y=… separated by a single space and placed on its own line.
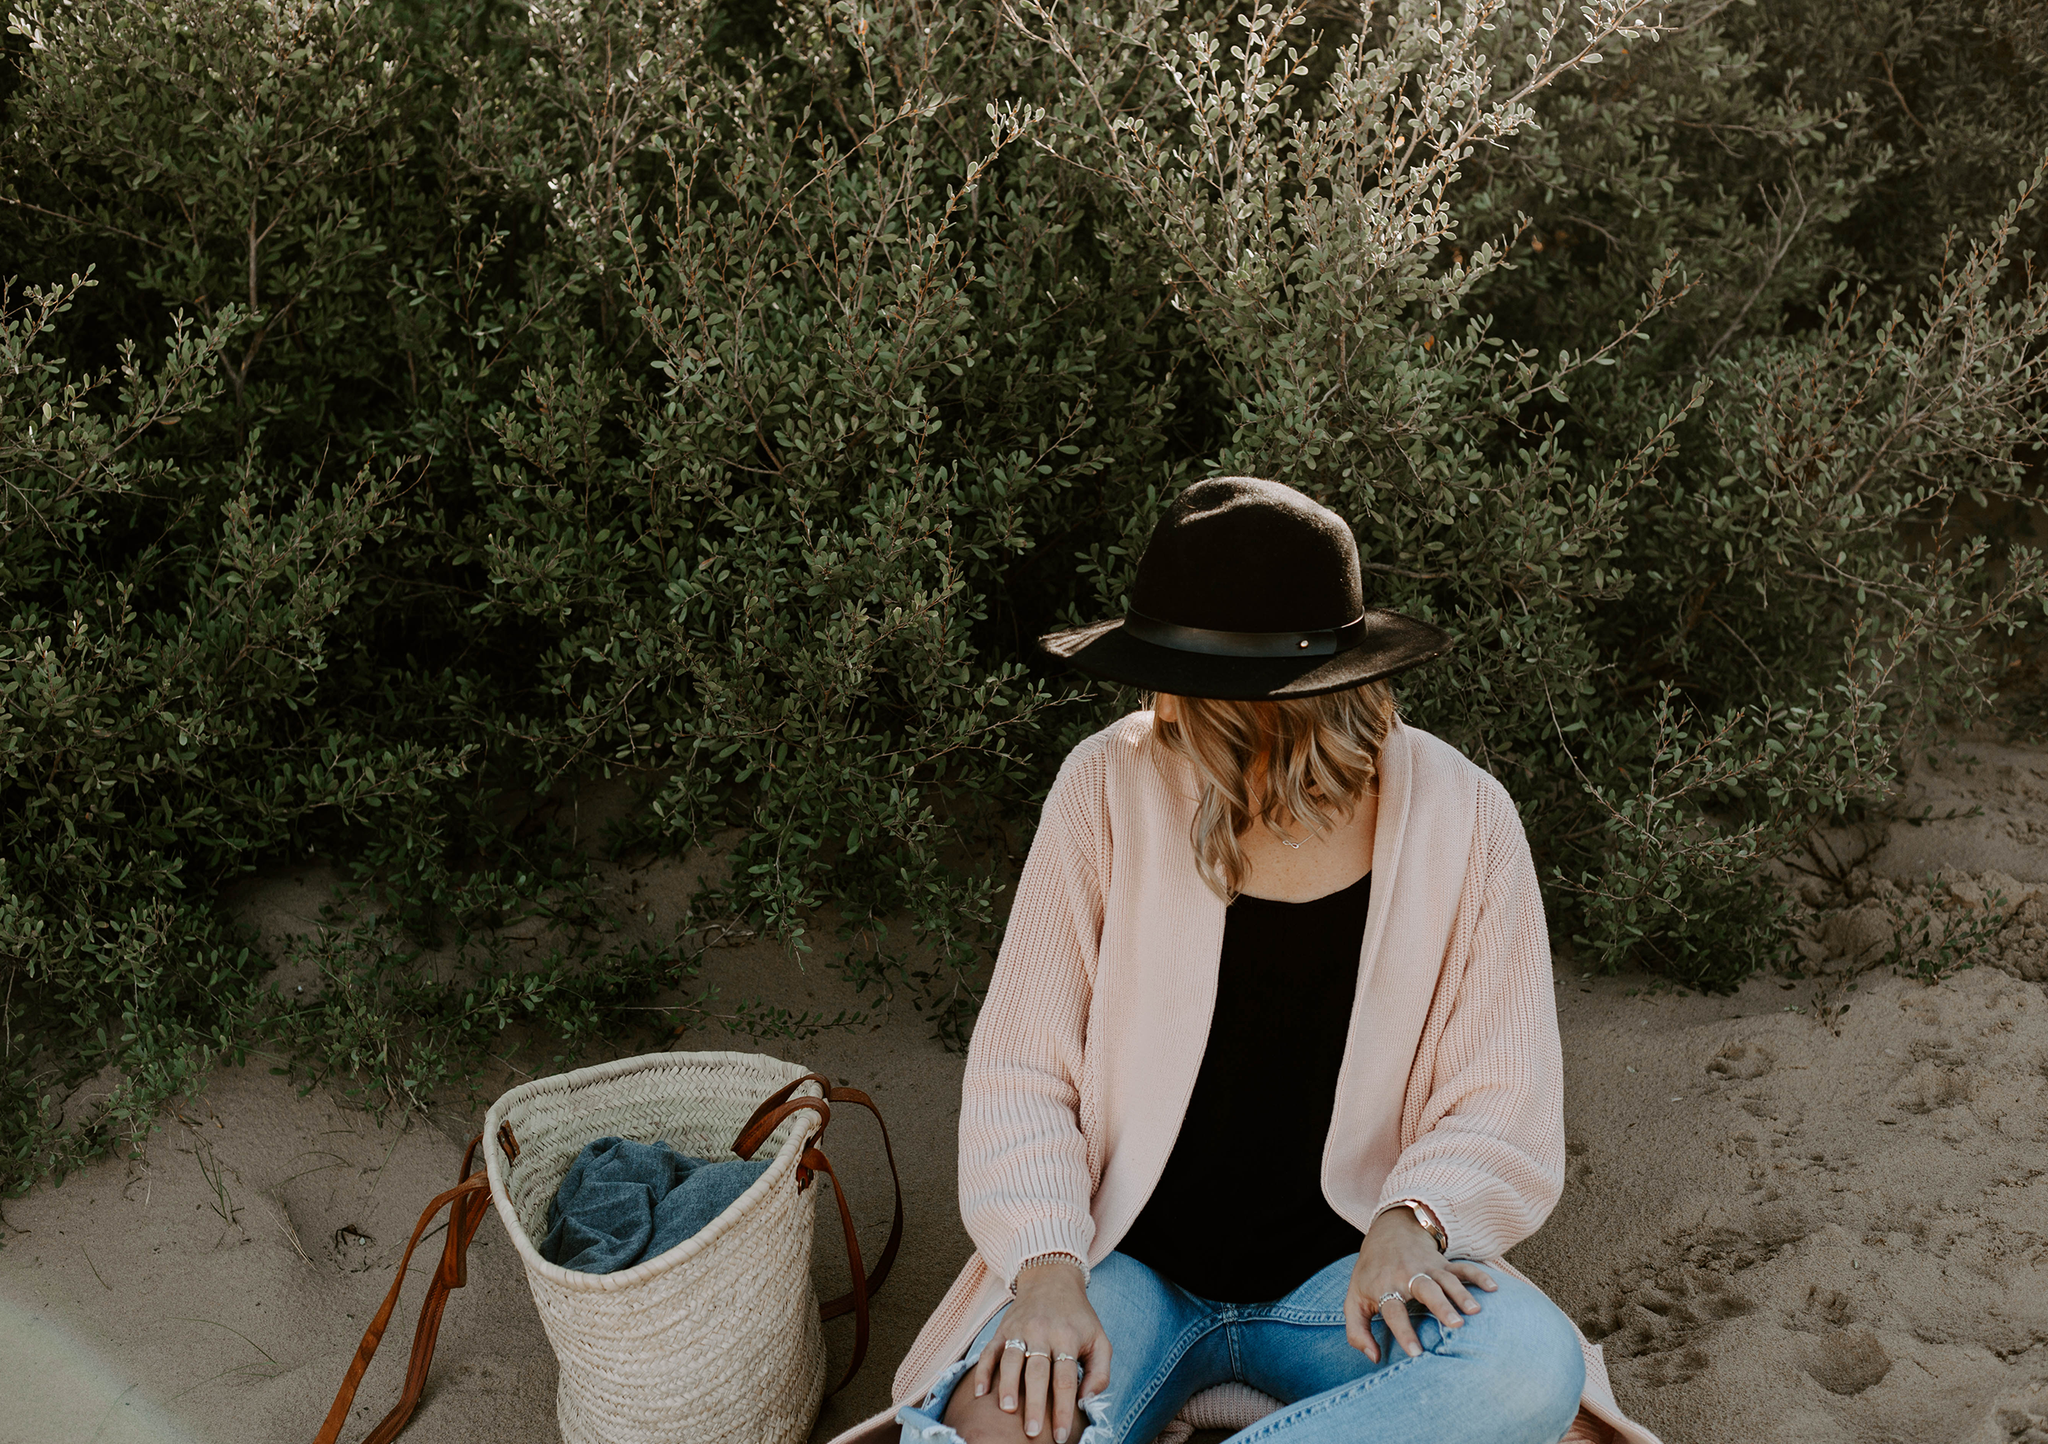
x=795 y=1133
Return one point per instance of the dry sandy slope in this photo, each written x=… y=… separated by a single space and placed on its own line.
x=1782 y=1232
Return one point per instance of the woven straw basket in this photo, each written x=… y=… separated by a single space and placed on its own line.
x=716 y=1341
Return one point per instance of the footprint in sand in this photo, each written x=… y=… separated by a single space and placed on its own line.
x=1654 y=1325
x=1937 y=1079
x=1849 y=1362
x=1824 y=1309
x=1740 y=1062
x=1658 y=1321
x=2022 y=1425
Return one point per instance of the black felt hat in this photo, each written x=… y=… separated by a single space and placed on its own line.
x=1249 y=591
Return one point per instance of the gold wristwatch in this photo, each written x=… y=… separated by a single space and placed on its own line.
x=1426 y=1216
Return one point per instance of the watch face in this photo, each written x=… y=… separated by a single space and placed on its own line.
x=1426 y=1216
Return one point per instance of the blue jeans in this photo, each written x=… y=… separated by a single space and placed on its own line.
x=1511 y=1375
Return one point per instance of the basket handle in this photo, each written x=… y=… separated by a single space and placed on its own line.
x=466 y=1203
x=779 y=1106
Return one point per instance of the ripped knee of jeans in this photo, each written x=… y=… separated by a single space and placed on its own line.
x=925 y=1422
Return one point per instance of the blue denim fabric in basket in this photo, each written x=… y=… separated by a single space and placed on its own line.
x=622 y=1202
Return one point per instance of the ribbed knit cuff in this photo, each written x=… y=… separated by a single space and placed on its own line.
x=1039 y=1238
x=1459 y=1231
x=1045 y=1258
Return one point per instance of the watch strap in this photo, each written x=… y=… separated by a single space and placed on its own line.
x=1426 y=1216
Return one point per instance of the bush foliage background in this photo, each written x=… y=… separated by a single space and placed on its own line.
x=412 y=408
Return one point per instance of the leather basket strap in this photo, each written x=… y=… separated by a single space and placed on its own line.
x=833 y=1308
x=467 y=1203
x=774 y=1109
x=767 y=1119
x=754 y=1132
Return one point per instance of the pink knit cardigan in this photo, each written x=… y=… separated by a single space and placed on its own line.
x=1085 y=1055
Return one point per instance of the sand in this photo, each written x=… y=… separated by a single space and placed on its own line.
x=1811 y=1211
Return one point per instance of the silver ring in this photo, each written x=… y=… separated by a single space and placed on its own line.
x=1017 y=1344
x=1065 y=1359
x=1413 y=1277
x=1394 y=1294
x=1038 y=1353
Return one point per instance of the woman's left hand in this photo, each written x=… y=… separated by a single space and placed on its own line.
x=1399 y=1252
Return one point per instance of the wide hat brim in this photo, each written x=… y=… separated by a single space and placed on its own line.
x=1385 y=643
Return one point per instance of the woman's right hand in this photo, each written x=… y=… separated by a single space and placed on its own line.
x=1051 y=1314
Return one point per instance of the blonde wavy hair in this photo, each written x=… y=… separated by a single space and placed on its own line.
x=1299 y=764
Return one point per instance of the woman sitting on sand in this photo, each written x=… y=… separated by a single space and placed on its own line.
x=1270 y=1060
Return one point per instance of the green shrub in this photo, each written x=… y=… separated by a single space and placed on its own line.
x=463 y=401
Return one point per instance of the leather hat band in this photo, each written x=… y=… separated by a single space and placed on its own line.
x=1242 y=644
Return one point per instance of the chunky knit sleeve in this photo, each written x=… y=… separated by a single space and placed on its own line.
x=1024 y=1177
x=1486 y=1147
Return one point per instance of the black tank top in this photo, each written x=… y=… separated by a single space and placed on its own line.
x=1239 y=1215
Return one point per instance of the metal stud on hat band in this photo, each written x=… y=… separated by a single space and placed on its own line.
x=1241 y=644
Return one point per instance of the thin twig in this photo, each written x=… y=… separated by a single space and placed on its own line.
x=1886 y=61
x=83 y=224
x=1395 y=571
